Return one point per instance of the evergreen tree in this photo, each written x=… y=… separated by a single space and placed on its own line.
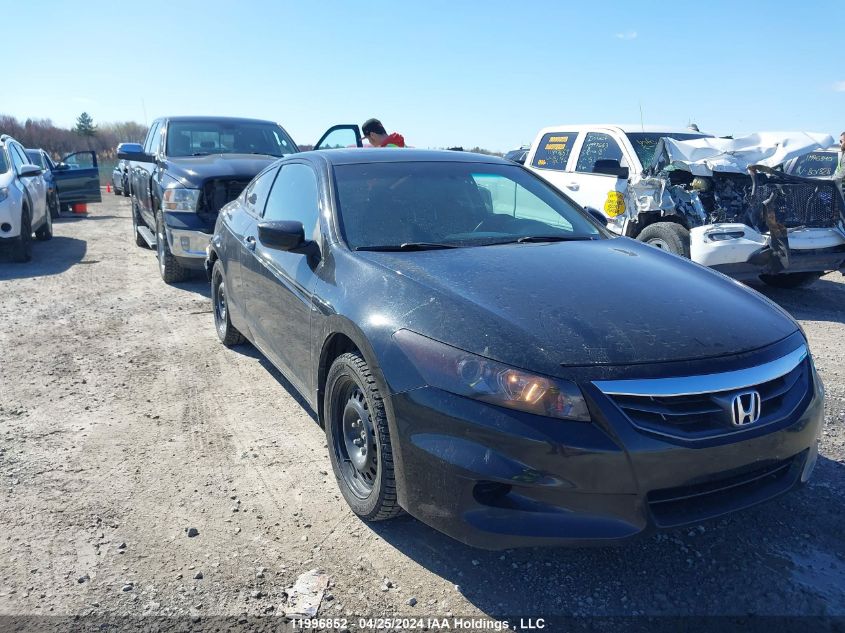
x=85 y=125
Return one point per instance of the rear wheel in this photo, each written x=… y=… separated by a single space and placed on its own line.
x=359 y=440
x=171 y=270
x=22 y=246
x=226 y=332
x=53 y=203
x=667 y=236
x=791 y=280
x=45 y=231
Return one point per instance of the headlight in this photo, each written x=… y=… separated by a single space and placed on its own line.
x=4 y=193
x=465 y=374
x=179 y=199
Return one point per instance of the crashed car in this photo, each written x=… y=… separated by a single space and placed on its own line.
x=743 y=215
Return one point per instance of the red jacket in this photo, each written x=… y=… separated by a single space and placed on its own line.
x=394 y=140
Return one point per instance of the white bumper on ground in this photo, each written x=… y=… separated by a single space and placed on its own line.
x=716 y=244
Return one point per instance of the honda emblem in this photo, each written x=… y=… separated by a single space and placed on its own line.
x=745 y=408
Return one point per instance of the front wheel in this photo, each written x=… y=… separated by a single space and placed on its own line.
x=53 y=203
x=171 y=270
x=22 y=246
x=667 y=236
x=358 y=439
x=226 y=332
x=791 y=280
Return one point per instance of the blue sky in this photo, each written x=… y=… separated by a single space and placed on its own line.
x=441 y=72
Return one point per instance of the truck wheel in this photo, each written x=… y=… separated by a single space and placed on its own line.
x=45 y=232
x=170 y=269
x=226 y=332
x=139 y=241
x=791 y=280
x=667 y=236
x=359 y=440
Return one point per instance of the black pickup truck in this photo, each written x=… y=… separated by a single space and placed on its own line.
x=187 y=168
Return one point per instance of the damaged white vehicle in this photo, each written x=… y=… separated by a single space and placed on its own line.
x=745 y=216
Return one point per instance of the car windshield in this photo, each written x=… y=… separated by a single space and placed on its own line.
x=646 y=142
x=815 y=165
x=200 y=138
x=391 y=206
x=35 y=158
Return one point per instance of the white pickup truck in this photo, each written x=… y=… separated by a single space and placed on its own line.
x=719 y=201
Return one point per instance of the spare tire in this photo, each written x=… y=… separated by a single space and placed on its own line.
x=667 y=236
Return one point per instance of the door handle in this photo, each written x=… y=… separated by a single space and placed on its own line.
x=249 y=242
x=572 y=185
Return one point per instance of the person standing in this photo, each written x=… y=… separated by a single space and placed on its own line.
x=839 y=174
x=375 y=133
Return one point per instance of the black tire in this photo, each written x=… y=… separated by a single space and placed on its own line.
x=791 y=280
x=45 y=231
x=125 y=186
x=21 y=250
x=139 y=241
x=170 y=269
x=53 y=203
x=667 y=236
x=354 y=412
x=226 y=332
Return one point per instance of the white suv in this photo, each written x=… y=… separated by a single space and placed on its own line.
x=23 y=201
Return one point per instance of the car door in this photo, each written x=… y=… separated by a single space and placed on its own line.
x=582 y=182
x=34 y=186
x=142 y=173
x=77 y=178
x=340 y=136
x=279 y=299
x=239 y=222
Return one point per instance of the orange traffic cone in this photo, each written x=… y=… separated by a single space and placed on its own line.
x=80 y=208
x=108 y=187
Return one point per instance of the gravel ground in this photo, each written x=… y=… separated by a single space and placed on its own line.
x=124 y=423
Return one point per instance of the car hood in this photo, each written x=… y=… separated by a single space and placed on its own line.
x=604 y=302
x=192 y=171
x=703 y=156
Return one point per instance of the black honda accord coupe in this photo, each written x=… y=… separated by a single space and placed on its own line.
x=484 y=355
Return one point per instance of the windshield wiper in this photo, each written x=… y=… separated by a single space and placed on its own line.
x=552 y=238
x=408 y=246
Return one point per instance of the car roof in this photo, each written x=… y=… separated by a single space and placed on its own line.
x=227 y=119
x=621 y=127
x=359 y=155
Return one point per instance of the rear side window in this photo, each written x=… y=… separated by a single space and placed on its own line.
x=4 y=163
x=597 y=146
x=554 y=150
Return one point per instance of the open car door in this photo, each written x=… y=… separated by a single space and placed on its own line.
x=339 y=136
x=78 y=178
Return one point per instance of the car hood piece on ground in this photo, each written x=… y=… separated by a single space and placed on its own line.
x=703 y=156
x=533 y=306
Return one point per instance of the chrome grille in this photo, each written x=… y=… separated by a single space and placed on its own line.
x=699 y=407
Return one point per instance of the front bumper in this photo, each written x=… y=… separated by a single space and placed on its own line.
x=10 y=217
x=495 y=479
x=747 y=254
x=188 y=236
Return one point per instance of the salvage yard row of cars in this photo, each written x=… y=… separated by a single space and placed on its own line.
x=459 y=325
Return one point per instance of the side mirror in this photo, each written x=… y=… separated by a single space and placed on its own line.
x=284 y=235
x=598 y=216
x=610 y=167
x=29 y=171
x=134 y=151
